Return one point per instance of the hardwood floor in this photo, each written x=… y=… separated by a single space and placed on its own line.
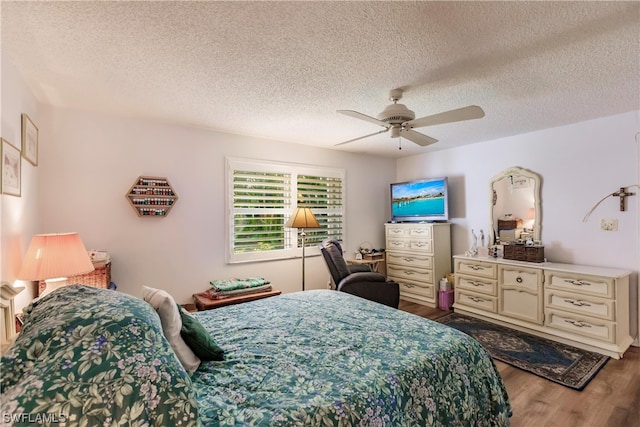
x=611 y=399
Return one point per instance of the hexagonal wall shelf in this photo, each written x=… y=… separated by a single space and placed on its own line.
x=152 y=196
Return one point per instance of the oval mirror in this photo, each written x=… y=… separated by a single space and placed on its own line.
x=515 y=206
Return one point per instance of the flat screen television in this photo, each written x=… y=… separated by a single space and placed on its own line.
x=420 y=200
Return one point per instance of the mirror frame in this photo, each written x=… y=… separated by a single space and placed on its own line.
x=537 y=203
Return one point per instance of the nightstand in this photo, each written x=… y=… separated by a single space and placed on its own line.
x=203 y=302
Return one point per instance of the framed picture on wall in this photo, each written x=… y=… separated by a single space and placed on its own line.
x=11 y=168
x=29 y=140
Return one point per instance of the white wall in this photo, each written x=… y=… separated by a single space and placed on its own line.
x=18 y=215
x=89 y=162
x=579 y=164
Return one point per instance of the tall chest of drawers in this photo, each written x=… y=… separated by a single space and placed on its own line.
x=584 y=306
x=418 y=255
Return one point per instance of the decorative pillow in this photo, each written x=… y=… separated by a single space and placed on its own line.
x=169 y=314
x=198 y=339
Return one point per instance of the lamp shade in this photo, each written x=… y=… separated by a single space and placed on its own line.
x=55 y=255
x=531 y=213
x=302 y=218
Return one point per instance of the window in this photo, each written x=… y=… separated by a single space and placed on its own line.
x=262 y=196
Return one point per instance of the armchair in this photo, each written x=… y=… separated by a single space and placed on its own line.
x=358 y=280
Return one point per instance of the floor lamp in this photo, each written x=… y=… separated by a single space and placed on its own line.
x=302 y=218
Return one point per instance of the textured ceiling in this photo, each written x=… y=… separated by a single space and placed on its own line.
x=280 y=70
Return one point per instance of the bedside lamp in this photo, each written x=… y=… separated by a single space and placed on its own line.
x=302 y=218
x=54 y=257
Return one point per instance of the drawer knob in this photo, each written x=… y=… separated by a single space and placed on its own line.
x=477 y=299
x=577 y=282
x=577 y=303
x=474 y=283
x=475 y=267
x=519 y=279
x=406 y=259
x=578 y=324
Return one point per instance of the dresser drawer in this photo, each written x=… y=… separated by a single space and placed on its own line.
x=599 y=329
x=471 y=299
x=396 y=230
x=425 y=246
x=521 y=278
x=477 y=268
x=485 y=286
x=394 y=243
x=400 y=230
x=520 y=304
x=415 y=288
x=585 y=285
x=399 y=273
x=420 y=232
x=422 y=245
x=585 y=305
x=410 y=260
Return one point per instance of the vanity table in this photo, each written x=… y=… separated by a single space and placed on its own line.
x=583 y=306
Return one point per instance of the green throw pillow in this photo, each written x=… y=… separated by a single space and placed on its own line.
x=198 y=339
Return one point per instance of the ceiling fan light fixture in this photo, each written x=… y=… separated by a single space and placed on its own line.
x=396 y=114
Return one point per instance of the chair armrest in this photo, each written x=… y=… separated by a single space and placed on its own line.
x=365 y=276
x=359 y=268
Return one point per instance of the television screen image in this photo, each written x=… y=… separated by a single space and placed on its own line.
x=420 y=200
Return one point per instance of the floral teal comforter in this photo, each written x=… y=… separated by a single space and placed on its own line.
x=93 y=357
x=327 y=358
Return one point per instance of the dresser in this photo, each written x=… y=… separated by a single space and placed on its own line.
x=418 y=255
x=583 y=306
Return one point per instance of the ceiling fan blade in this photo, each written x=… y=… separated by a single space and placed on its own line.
x=464 y=113
x=361 y=116
x=417 y=137
x=362 y=137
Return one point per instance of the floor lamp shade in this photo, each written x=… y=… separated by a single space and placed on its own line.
x=52 y=256
x=302 y=218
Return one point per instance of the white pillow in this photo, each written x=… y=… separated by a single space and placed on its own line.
x=167 y=309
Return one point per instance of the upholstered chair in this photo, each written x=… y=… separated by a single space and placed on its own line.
x=358 y=280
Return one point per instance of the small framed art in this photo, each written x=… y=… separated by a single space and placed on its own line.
x=29 y=140
x=11 y=168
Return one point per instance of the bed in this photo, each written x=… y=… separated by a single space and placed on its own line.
x=317 y=358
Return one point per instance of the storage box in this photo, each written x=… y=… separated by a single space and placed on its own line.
x=508 y=224
x=521 y=252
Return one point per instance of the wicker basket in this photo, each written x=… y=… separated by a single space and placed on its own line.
x=521 y=252
x=98 y=278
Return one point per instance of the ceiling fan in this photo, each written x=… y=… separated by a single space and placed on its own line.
x=401 y=121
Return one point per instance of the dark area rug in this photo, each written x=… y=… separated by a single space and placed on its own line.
x=557 y=362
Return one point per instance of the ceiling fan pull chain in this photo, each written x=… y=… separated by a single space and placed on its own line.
x=400 y=143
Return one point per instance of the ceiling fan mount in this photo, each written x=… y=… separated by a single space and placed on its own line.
x=401 y=121
x=396 y=114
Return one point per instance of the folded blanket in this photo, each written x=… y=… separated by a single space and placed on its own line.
x=212 y=294
x=235 y=284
